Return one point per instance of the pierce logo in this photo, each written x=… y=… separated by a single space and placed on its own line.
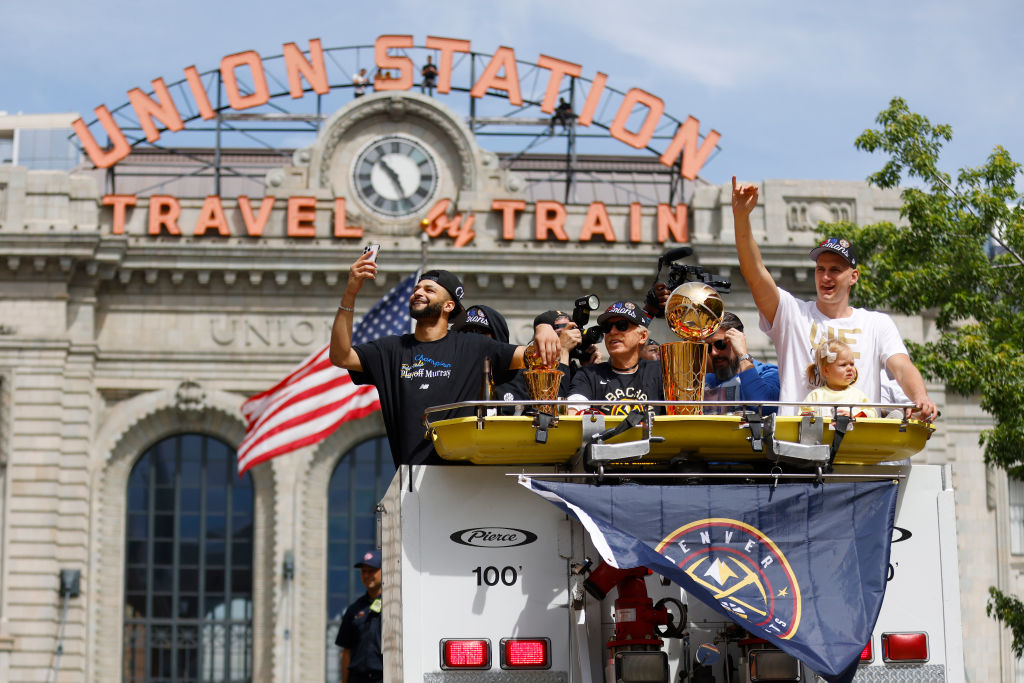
x=493 y=537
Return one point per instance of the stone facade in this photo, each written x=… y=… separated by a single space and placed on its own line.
x=109 y=342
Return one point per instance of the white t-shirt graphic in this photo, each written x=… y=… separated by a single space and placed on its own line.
x=800 y=326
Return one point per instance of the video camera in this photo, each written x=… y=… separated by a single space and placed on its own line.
x=581 y=316
x=678 y=274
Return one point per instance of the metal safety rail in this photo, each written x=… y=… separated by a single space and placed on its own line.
x=636 y=434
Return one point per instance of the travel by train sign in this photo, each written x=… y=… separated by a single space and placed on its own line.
x=242 y=80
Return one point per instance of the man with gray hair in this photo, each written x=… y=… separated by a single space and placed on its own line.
x=735 y=375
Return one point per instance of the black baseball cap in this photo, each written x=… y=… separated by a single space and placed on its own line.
x=624 y=309
x=451 y=283
x=837 y=245
x=371 y=559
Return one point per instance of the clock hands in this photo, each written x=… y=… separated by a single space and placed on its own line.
x=394 y=177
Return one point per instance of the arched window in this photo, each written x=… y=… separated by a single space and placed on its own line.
x=188 y=564
x=357 y=485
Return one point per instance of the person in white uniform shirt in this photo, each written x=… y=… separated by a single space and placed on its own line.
x=796 y=327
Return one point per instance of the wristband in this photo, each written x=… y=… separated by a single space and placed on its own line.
x=343 y=307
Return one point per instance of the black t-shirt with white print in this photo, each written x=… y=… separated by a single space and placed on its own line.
x=602 y=382
x=412 y=376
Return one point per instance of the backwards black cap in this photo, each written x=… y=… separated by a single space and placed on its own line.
x=451 y=284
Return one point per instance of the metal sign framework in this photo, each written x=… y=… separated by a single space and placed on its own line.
x=285 y=123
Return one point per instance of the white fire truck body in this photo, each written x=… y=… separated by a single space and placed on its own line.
x=483 y=582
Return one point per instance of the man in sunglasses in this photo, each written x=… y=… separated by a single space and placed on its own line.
x=734 y=374
x=625 y=376
x=795 y=326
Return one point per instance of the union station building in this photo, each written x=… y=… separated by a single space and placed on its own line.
x=144 y=298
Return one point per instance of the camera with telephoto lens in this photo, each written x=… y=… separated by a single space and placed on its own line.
x=679 y=274
x=581 y=316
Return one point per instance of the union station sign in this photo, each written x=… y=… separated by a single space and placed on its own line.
x=396 y=176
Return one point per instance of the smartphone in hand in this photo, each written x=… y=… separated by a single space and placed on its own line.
x=372 y=249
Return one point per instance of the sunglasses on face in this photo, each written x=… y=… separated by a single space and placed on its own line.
x=720 y=344
x=620 y=325
x=560 y=326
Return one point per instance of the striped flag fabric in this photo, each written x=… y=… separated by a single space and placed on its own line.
x=315 y=398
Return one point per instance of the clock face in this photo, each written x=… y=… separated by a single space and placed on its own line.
x=395 y=176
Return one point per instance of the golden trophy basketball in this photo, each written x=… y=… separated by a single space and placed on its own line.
x=693 y=312
x=543 y=386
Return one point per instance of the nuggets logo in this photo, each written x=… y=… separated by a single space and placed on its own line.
x=741 y=569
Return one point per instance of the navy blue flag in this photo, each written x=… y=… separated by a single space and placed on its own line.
x=388 y=316
x=802 y=566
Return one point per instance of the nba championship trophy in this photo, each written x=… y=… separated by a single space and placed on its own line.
x=694 y=312
x=542 y=380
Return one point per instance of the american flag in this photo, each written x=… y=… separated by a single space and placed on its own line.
x=316 y=397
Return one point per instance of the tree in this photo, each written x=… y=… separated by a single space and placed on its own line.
x=957 y=258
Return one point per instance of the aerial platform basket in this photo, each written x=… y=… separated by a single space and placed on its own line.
x=750 y=438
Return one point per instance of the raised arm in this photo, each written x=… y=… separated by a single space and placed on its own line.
x=909 y=378
x=341 y=352
x=759 y=280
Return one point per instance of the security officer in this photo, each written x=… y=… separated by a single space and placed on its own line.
x=359 y=633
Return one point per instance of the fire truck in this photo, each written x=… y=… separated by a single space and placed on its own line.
x=485 y=580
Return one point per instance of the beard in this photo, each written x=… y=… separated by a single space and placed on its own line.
x=726 y=372
x=427 y=312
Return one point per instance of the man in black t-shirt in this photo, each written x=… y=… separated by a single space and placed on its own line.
x=427 y=368
x=359 y=635
x=626 y=376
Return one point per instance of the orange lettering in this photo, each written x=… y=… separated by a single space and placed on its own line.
x=503 y=58
x=302 y=216
x=655 y=108
x=508 y=208
x=677 y=225
x=386 y=61
x=586 y=116
x=119 y=202
x=254 y=226
x=447 y=46
x=340 y=229
x=430 y=223
x=146 y=109
x=685 y=142
x=550 y=218
x=119 y=147
x=195 y=84
x=163 y=213
x=559 y=69
x=636 y=217
x=211 y=216
x=597 y=223
x=314 y=70
x=464 y=235
x=260 y=92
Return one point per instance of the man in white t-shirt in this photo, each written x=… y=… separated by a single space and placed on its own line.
x=795 y=326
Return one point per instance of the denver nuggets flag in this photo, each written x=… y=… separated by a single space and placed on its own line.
x=803 y=566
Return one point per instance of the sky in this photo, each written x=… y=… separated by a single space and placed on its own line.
x=788 y=85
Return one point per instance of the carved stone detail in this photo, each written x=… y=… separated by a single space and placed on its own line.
x=189 y=396
x=803 y=214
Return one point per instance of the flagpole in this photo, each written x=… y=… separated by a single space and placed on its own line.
x=424 y=253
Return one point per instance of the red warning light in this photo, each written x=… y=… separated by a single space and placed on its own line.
x=525 y=653
x=905 y=647
x=466 y=654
